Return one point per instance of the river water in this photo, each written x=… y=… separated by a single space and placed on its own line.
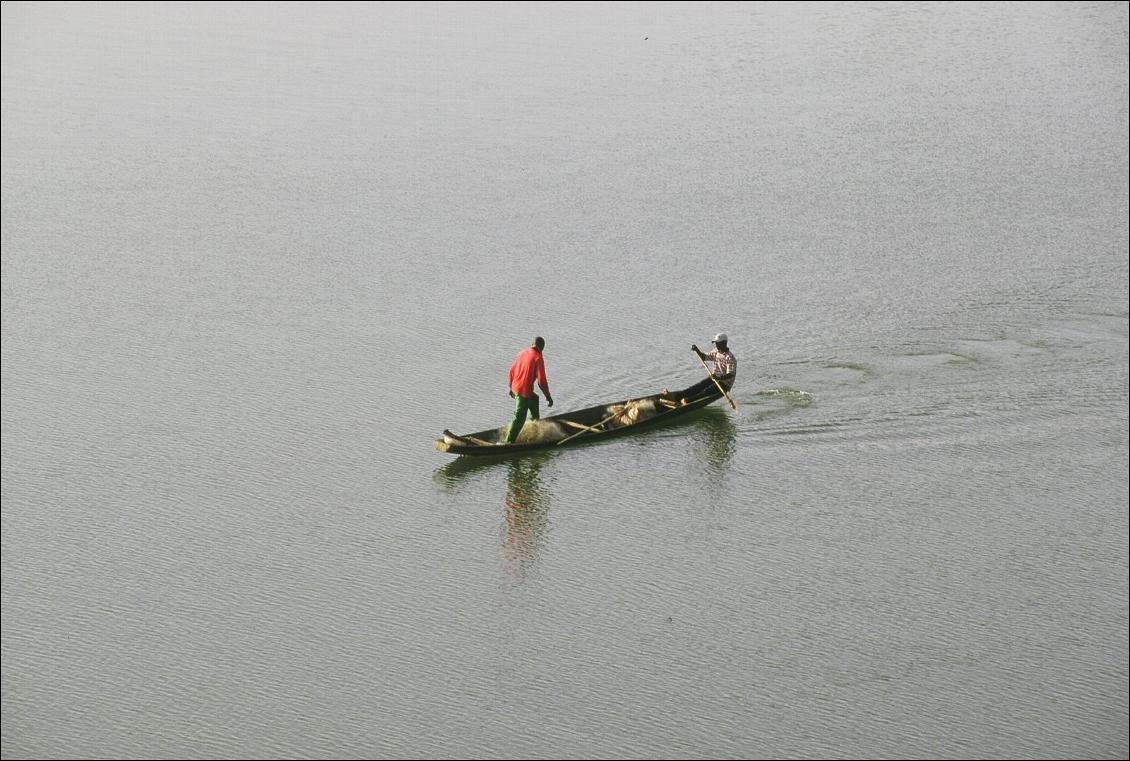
x=256 y=257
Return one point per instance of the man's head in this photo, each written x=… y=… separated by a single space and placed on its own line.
x=539 y=343
x=720 y=341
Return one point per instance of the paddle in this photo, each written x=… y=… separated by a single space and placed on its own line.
x=593 y=428
x=716 y=383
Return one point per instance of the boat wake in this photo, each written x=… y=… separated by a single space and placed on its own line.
x=791 y=396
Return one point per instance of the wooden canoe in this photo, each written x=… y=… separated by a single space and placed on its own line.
x=566 y=429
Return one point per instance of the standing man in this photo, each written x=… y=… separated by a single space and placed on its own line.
x=528 y=366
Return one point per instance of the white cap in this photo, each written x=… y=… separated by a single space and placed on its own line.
x=720 y=338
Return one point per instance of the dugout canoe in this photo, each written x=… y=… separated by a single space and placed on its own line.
x=600 y=421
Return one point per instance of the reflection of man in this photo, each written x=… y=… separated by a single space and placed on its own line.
x=526 y=511
x=721 y=442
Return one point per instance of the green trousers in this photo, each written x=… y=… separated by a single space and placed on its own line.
x=522 y=405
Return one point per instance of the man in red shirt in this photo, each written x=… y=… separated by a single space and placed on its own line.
x=528 y=366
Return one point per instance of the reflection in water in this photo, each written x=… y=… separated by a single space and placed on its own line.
x=526 y=512
x=717 y=440
x=525 y=506
x=462 y=467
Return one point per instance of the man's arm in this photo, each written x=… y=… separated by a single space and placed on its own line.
x=543 y=382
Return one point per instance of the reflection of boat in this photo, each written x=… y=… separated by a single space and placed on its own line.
x=598 y=422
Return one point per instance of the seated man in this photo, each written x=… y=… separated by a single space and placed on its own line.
x=725 y=369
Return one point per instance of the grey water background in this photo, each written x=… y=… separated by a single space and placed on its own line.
x=257 y=256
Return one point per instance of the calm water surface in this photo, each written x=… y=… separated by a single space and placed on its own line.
x=256 y=257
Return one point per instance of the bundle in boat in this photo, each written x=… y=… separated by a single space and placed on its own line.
x=536 y=432
x=630 y=413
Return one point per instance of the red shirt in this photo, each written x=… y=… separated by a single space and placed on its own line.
x=528 y=366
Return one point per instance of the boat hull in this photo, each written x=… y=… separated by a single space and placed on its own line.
x=602 y=421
